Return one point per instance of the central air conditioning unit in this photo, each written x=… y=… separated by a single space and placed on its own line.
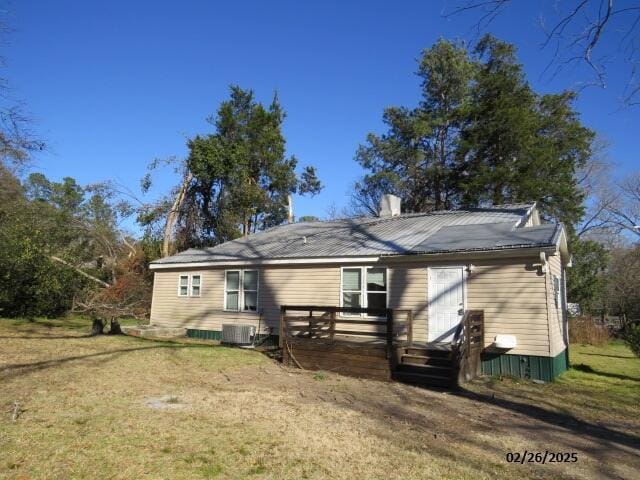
x=238 y=334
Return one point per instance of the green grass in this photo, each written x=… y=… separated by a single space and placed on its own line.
x=120 y=407
x=69 y=322
x=608 y=375
x=602 y=382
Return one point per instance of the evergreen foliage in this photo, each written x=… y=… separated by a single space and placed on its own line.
x=479 y=136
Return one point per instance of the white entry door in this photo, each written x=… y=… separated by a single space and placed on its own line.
x=445 y=301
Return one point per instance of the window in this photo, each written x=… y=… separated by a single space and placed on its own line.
x=250 y=290
x=376 y=287
x=241 y=290
x=232 y=290
x=183 y=289
x=195 y=285
x=352 y=287
x=189 y=285
x=370 y=293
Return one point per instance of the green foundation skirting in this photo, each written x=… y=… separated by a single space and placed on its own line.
x=525 y=366
x=272 y=341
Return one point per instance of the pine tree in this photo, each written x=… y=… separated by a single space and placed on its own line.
x=518 y=146
x=239 y=177
x=414 y=159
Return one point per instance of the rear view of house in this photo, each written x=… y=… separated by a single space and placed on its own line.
x=434 y=270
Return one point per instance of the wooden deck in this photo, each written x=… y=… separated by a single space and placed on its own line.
x=319 y=338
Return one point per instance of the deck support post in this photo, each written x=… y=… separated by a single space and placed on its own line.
x=332 y=326
x=389 y=333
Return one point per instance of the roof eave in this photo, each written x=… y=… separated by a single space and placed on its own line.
x=266 y=261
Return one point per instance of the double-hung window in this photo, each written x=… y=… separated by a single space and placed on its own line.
x=364 y=287
x=189 y=285
x=241 y=290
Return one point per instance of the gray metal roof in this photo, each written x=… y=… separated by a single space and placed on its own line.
x=443 y=231
x=488 y=236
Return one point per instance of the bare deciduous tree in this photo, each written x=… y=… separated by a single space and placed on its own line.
x=592 y=33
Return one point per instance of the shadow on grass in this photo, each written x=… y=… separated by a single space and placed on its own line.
x=581 y=367
x=560 y=419
x=45 y=337
x=604 y=355
x=17 y=369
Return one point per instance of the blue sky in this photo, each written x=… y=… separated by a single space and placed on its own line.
x=113 y=85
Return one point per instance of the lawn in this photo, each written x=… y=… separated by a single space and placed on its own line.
x=121 y=407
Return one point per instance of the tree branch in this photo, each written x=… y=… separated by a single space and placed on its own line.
x=81 y=272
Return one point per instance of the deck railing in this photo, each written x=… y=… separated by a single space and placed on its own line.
x=467 y=345
x=322 y=322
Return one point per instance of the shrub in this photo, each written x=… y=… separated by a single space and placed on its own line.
x=587 y=331
x=632 y=338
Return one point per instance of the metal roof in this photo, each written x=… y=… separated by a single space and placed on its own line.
x=443 y=231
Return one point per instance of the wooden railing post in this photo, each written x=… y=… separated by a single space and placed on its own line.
x=389 y=332
x=410 y=327
x=467 y=329
x=310 y=323
x=281 y=332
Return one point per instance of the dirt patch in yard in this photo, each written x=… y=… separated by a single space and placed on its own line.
x=119 y=407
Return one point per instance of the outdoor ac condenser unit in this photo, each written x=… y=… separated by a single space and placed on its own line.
x=238 y=334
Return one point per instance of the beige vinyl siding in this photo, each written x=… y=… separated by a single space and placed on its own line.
x=512 y=292
x=556 y=313
x=317 y=285
x=408 y=291
x=205 y=312
x=300 y=285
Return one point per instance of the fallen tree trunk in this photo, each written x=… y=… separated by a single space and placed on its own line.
x=172 y=216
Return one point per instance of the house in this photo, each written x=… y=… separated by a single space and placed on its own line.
x=499 y=261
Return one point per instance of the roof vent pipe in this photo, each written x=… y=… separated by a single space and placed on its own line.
x=389 y=206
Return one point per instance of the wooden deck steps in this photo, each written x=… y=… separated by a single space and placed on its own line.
x=429 y=365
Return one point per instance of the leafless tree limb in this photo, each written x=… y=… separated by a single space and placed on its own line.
x=577 y=34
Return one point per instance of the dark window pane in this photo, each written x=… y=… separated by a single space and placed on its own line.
x=377 y=300
x=250 y=301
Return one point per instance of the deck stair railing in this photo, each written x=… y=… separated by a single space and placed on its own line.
x=467 y=345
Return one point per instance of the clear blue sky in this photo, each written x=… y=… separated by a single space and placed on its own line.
x=113 y=85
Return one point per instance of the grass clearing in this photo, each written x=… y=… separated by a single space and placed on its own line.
x=121 y=407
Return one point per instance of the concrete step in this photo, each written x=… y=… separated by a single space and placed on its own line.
x=152 y=331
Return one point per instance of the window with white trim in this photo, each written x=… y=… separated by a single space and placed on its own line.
x=556 y=290
x=183 y=286
x=189 y=285
x=241 y=290
x=195 y=285
x=364 y=287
